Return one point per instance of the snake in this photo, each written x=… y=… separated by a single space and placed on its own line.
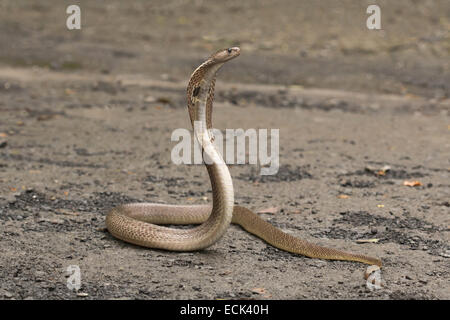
x=145 y=224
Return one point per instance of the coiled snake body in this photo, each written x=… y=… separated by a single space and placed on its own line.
x=140 y=223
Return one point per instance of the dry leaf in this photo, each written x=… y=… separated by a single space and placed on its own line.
x=69 y=91
x=411 y=183
x=52 y=221
x=343 y=196
x=271 y=210
x=259 y=290
x=367 y=240
x=68 y=212
x=378 y=171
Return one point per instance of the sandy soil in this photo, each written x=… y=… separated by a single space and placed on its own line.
x=85 y=124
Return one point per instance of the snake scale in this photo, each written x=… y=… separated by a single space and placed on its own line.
x=142 y=223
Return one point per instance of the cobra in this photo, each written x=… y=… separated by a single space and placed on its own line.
x=143 y=223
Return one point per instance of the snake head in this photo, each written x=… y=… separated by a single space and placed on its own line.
x=225 y=55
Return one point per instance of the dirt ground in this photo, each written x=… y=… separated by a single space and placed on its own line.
x=86 y=118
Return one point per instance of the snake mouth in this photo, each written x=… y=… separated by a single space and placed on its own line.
x=235 y=50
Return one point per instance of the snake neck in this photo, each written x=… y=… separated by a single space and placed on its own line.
x=200 y=94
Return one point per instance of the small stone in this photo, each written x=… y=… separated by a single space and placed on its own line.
x=39 y=273
x=150 y=99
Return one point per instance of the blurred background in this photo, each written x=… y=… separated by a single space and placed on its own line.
x=321 y=44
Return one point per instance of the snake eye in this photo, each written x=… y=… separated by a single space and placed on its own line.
x=229 y=50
